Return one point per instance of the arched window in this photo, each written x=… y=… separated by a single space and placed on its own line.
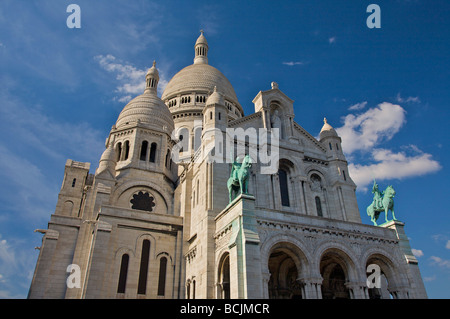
x=197 y=138
x=183 y=137
x=127 y=150
x=193 y=289
x=74 y=181
x=318 y=206
x=153 y=152
x=162 y=276
x=284 y=190
x=167 y=162
x=143 y=270
x=123 y=274
x=118 y=151
x=144 y=148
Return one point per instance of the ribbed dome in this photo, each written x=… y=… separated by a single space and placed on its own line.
x=199 y=77
x=149 y=110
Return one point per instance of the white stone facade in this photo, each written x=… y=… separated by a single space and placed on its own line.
x=147 y=226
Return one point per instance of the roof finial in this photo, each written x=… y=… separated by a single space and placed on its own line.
x=154 y=63
x=201 y=31
x=325 y=120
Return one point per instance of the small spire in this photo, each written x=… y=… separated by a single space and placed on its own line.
x=325 y=120
x=201 y=50
x=152 y=79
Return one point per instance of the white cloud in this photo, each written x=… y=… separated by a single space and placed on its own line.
x=357 y=106
x=417 y=252
x=440 y=262
x=292 y=63
x=364 y=132
x=368 y=129
x=447 y=245
x=332 y=40
x=390 y=165
x=428 y=279
x=131 y=80
x=409 y=99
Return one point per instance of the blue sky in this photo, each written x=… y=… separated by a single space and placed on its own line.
x=385 y=91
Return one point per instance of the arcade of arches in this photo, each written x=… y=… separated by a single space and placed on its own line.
x=291 y=276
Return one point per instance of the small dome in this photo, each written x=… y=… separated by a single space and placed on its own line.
x=327 y=130
x=215 y=98
x=201 y=39
x=149 y=110
x=153 y=71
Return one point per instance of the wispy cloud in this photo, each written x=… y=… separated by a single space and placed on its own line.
x=417 y=252
x=444 y=263
x=332 y=40
x=357 y=106
x=292 y=63
x=409 y=99
x=130 y=80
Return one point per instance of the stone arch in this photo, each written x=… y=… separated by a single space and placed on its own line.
x=337 y=267
x=285 y=261
x=393 y=280
x=223 y=276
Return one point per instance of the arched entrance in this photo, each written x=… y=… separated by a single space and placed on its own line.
x=223 y=282
x=333 y=270
x=284 y=273
x=384 y=286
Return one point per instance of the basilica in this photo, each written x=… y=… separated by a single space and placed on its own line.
x=156 y=218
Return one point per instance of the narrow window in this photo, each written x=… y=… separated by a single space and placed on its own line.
x=193 y=289
x=153 y=152
x=142 y=283
x=343 y=174
x=219 y=116
x=210 y=115
x=284 y=190
x=123 y=274
x=167 y=158
x=144 y=148
x=330 y=146
x=127 y=150
x=188 y=291
x=74 y=181
x=162 y=276
x=319 y=207
x=198 y=189
x=337 y=146
x=119 y=151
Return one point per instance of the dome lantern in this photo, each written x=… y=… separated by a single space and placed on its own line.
x=201 y=50
x=152 y=79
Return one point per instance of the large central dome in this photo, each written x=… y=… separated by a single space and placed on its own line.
x=188 y=90
x=199 y=77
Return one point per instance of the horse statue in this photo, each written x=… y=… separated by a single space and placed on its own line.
x=382 y=202
x=238 y=180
